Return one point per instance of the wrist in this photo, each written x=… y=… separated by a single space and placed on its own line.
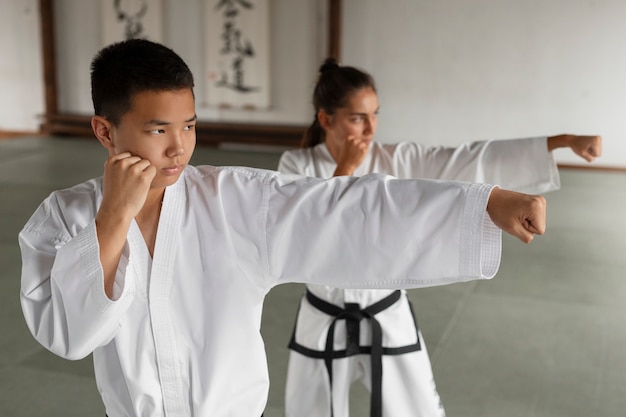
x=559 y=141
x=111 y=218
x=343 y=170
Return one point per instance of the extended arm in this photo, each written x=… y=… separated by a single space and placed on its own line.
x=524 y=165
x=382 y=232
x=587 y=147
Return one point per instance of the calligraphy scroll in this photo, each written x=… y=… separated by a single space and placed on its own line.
x=237 y=53
x=128 y=19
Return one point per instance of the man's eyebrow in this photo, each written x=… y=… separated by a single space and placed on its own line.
x=158 y=122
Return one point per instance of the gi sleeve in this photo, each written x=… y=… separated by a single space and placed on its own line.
x=288 y=164
x=379 y=232
x=523 y=165
x=62 y=288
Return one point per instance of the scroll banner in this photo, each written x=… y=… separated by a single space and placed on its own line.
x=129 y=19
x=237 y=42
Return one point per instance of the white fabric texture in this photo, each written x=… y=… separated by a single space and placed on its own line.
x=523 y=165
x=181 y=337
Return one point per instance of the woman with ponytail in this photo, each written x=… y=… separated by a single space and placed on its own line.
x=372 y=336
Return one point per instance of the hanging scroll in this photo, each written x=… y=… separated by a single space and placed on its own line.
x=128 y=19
x=237 y=53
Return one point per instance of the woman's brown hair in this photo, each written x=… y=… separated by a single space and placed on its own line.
x=335 y=84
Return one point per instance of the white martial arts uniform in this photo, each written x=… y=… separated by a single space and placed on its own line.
x=181 y=336
x=408 y=387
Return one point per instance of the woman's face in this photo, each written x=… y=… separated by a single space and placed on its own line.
x=358 y=118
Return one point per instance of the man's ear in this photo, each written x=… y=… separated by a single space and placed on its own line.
x=324 y=119
x=102 y=129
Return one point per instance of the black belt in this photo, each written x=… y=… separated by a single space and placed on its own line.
x=353 y=315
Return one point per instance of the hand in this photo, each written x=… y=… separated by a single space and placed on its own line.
x=587 y=147
x=127 y=180
x=520 y=215
x=353 y=152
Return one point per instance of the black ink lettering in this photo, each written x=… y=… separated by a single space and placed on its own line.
x=133 y=25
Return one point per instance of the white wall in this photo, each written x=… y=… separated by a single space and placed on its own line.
x=295 y=54
x=21 y=73
x=449 y=71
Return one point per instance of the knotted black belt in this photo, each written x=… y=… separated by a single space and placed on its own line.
x=353 y=314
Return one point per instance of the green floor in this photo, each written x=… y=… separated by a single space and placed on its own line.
x=546 y=337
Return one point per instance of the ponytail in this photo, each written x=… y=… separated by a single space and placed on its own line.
x=313 y=135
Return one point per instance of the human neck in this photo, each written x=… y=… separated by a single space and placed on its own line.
x=154 y=200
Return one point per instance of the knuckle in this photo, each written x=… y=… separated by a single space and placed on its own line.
x=539 y=201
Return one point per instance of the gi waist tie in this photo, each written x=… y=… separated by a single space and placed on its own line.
x=353 y=314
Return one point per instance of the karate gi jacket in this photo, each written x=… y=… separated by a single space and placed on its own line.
x=181 y=336
x=524 y=165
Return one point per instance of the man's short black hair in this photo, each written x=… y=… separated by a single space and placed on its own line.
x=123 y=69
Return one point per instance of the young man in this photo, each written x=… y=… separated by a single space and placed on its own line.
x=160 y=269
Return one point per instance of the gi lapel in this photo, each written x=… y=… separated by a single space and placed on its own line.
x=176 y=402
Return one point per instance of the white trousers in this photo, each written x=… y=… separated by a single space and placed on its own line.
x=408 y=386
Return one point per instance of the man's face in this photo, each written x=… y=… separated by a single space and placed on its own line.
x=160 y=127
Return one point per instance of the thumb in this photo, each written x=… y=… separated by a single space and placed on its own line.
x=588 y=154
x=523 y=231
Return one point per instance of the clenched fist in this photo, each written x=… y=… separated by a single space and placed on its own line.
x=521 y=215
x=127 y=180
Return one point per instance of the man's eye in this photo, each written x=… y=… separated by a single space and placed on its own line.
x=190 y=127
x=157 y=131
